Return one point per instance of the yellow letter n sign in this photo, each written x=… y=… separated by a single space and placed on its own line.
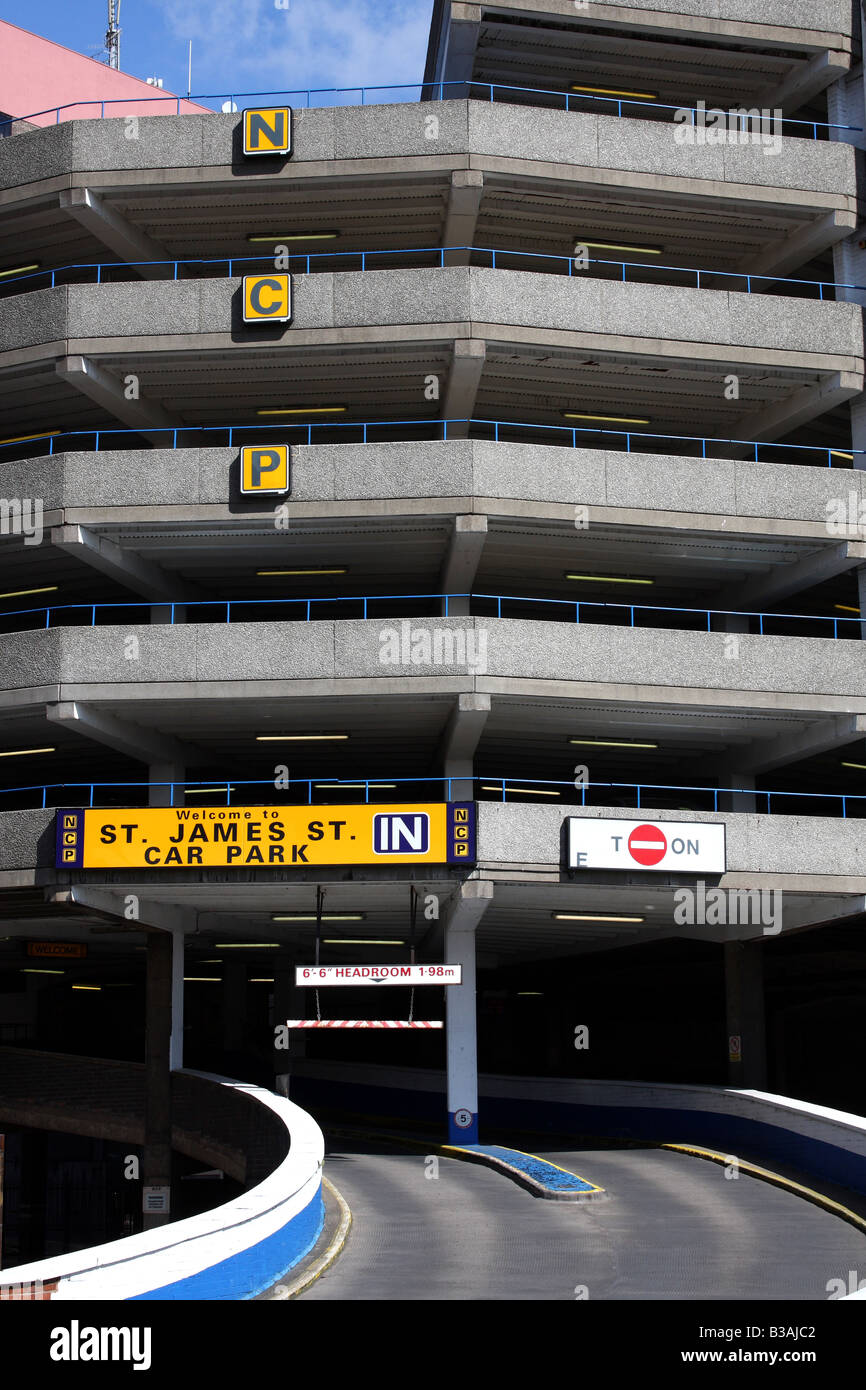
x=268 y=130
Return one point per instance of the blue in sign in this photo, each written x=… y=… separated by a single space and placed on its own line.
x=401 y=834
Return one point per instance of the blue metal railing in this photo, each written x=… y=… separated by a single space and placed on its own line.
x=58 y=438
x=84 y=793
x=365 y=601
x=436 y=91
x=308 y=266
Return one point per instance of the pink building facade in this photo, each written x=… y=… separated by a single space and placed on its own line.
x=38 y=78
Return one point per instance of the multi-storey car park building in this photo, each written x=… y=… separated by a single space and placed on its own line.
x=571 y=381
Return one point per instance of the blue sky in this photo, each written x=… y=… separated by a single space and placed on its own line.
x=245 y=45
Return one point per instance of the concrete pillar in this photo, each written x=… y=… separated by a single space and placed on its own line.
x=177 y=967
x=460 y=740
x=464 y=379
x=460 y=567
x=234 y=1000
x=156 y=1158
x=464 y=204
x=289 y=1002
x=744 y=1011
x=461 y=1019
x=158 y=775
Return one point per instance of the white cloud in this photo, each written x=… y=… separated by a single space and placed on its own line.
x=319 y=43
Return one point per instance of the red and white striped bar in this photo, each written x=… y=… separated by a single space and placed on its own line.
x=363 y=1023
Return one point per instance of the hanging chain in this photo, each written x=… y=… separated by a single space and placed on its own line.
x=320 y=898
x=413 y=912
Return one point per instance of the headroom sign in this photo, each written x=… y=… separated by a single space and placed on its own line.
x=242 y=837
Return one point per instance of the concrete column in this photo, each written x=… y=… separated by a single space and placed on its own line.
x=461 y=1019
x=177 y=966
x=464 y=379
x=156 y=1158
x=289 y=1002
x=464 y=203
x=160 y=795
x=744 y=1010
x=460 y=567
x=460 y=740
x=234 y=999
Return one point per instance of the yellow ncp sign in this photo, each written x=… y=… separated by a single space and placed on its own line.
x=265 y=468
x=268 y=130
x=244 y=836
x=267 y=298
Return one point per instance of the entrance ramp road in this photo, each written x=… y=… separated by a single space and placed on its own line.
x=671 y=1227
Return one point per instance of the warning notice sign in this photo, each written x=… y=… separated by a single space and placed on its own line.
x=679 y=847
x=265 y=836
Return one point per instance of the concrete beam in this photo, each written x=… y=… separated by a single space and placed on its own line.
x=107 y=902
x=127 y=567
x=801 y=245
x=131 y=740
x=461 y=217
x=91 y=211
x=805 y=81
x=107 y=391
x=762 y=756
x=784 y=580
x=799 y=408
x=467 y=364
x=460 y=567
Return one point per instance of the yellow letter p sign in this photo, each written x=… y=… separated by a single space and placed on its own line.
x=267 y=297
x=265 y=468
x=268 y=130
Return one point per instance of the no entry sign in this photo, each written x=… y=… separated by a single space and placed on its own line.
x=674 y=847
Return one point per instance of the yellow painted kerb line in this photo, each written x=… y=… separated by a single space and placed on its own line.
x=284 y=1291
x=808 y=1193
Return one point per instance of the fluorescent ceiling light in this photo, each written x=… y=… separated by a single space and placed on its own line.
x=207 y=791
x=89 y=987
x=611 y=419
x=305 y=410
x=615 y=246
x=354 y=786
x=839 y=454
x=336 y=569
x=31 y=970
x=610 y=743
x=298 y=738
x=293 y=236
x=846 y=608
x=615 y=92
x=609 y=579
x=860 y=766
x=311 y=917
x=22 y=752
x=202 y=979
x=20 y=269
x=20 y=593
x=529 y=994
x=524 y=791
x=247 y=945
x=261 y=980
x=361 y=941
x=592 y=917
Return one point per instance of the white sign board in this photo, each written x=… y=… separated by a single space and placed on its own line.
x=378 y=975
x=670 y=847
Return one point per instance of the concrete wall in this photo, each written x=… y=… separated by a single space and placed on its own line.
x=822 y=672
x=469 y=132
x=456 y=301
x=803 y=849
x=477 y=471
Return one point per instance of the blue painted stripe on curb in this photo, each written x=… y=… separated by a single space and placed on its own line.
x=545 y=1174
x=251 y=1271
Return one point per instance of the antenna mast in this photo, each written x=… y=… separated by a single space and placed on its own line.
x=112 y=36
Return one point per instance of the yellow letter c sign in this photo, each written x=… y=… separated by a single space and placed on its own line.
x=267 y=298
